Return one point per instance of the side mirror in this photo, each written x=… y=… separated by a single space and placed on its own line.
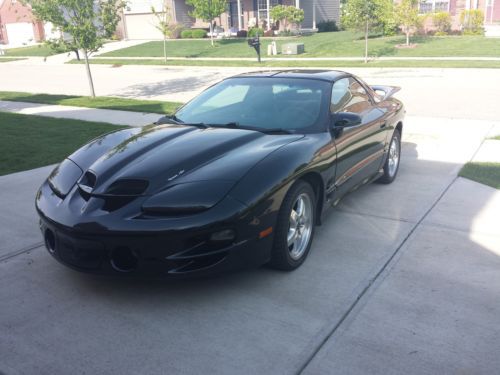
x=346 y=120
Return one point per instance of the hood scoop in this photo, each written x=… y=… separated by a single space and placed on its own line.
x=117 y=195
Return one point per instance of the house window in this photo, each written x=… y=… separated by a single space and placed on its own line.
x=441 y=6
x=431 y=6
x=262 y=7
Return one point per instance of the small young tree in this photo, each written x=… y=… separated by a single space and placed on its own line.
x=407 y=17
x=287 y=14
x=86 y=23
x=361 y=15
x=163 y=25
x=208 y=10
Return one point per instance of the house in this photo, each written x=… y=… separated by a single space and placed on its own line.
x=138 y=21
x=490 y=8
x=18 y=26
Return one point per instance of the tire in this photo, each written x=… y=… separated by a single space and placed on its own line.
x=391 y=165
x=286 y=256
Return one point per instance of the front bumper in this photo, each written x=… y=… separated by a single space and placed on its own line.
x=151 y=256
x=115 y=243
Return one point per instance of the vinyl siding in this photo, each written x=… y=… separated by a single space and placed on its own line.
x=327 y=10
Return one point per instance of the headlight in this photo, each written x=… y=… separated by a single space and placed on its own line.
x=187 y=198
x=64 y=176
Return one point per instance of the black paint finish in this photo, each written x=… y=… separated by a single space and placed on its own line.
x=177 y=199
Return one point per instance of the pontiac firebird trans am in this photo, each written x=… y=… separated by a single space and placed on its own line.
x=239 y=176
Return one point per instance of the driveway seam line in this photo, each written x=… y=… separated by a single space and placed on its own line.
x=373 y=279
x=385 y=266
x=21 y=251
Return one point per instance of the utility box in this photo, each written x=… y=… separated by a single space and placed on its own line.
x=292 y=48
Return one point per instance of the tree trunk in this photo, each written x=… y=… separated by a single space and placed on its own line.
x=89 y=75
x=165 y=48
x=408 y=37
x=366 y=42
x=211 y=33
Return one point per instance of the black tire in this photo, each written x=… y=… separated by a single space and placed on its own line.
x=389 y=172
x=282 y=254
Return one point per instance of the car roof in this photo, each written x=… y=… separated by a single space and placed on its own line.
x=323 y=75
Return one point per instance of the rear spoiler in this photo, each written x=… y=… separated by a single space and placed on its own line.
x=388 y=91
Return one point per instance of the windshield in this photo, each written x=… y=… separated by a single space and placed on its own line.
x=291 y=104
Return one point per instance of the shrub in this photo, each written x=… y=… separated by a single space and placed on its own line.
x=186 y=34
x=327 y=26
x=175 y=30
x=442 y=22
x=241 y=34
x=472 y=22
x=254 y=31
x=198 y=33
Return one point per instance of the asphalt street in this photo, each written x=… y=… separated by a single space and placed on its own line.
x=402 y=278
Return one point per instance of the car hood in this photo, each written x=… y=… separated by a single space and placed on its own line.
x=166 y=155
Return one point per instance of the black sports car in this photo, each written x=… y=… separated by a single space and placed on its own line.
x=238 y=176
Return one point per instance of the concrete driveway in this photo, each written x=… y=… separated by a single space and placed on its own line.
x=402 y=278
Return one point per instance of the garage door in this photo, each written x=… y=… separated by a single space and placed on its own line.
x=20 y=33
x=142 y=26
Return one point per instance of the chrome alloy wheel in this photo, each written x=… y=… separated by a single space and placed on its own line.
x=300 y=226
x=393 y=157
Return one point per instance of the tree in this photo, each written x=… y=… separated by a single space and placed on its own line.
x=287 y=14
x=361 y=15
x=407 y=17
x=207 y=10
x=85 y=24
x=163 y=25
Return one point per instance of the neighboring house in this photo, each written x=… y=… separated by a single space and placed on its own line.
x=18 y=25
x=490 y=8
x=138 y=21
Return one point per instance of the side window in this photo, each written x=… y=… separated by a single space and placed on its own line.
x=349 y=96
x=340 y=95
x=360 y=101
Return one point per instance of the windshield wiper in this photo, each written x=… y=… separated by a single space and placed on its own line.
x=175 y=120
x=277 y=131
x=236 y=125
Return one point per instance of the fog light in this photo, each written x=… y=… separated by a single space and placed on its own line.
x=223 y=235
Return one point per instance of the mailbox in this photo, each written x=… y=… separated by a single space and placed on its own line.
x=255 y=43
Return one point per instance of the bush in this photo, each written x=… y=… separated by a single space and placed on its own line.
x=193 y=33
x=175 y=30
x=472 y=22
x=327 y=26
x=254 y=31
x=242 y=34
x=186 y=34
x=198 y=33
x=442 y=22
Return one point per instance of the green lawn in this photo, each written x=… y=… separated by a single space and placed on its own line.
x=337 y=44
x=304 y=64
x=497 y=137
x=7 y=59
x=105 y=102
x=29 y=142
x=485 y=173
x=38 y=50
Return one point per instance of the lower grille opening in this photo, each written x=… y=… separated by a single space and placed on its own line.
x=196 y=264
x=50 y=240
x=124 y=259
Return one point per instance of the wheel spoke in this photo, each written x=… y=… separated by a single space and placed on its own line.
x=300 y=226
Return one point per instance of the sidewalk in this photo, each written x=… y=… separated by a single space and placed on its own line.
x=81 y=113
